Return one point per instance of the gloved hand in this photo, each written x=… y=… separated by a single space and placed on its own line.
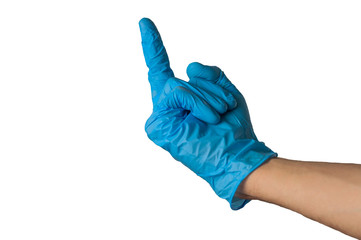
x=204 y=123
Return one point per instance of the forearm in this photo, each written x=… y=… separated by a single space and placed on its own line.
x=329 y=193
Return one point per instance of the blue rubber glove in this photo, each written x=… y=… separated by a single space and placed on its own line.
x=203 y=123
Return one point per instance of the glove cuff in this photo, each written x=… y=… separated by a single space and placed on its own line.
x=239 y=165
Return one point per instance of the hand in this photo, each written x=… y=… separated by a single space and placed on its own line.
x=204 y=123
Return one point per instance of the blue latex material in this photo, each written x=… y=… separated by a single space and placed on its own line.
x=203 y=123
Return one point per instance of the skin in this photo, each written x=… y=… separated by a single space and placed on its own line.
x=329 y=193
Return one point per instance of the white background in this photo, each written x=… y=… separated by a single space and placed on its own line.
x=75 y=162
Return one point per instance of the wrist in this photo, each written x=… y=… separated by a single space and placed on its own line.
x=241 y=159
x=250 y=158
x=251 y=187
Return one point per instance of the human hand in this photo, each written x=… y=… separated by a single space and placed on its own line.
x=203 y=123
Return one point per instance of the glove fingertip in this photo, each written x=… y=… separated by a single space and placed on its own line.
x=212 y=117
x=216 y=119
x=232 y=102
x=146 y=25
x=196 y=69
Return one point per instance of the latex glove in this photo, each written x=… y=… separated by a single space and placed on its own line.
x=203 y=123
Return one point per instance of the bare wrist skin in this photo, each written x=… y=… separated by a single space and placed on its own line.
x=248 y=188
x=329 y=193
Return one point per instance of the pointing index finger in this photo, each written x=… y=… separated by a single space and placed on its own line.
x=155 y=56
